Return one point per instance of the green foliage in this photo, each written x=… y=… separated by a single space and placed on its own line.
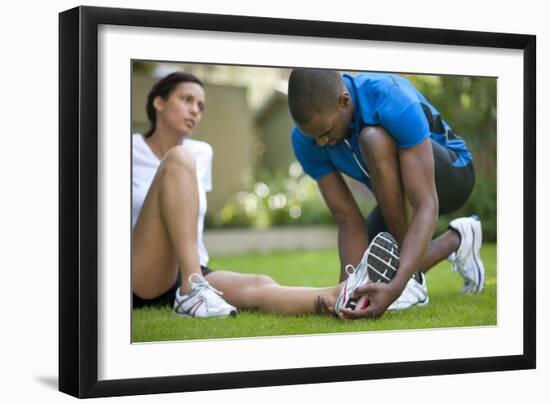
x=140 y=66
x=468 y=105
x=274 y=199
x=448 y=306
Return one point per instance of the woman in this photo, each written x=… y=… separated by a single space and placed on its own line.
x=171 y=175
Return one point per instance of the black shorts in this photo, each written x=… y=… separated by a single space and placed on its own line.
x=167 y=298
x=454 y=186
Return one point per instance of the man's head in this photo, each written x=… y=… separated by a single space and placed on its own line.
x=320 y=104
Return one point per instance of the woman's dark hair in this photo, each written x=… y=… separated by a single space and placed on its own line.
x=163 y=88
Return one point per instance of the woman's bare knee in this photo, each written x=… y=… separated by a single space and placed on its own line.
x=178 y=158
x=260 y=280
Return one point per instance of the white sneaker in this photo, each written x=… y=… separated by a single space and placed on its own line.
x=202 y=301
x=414 y=294
x=467 y=259
x=379 y=264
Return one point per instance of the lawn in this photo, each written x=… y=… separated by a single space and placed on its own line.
x=448 y=306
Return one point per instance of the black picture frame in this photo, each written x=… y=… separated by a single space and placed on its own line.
x=78 y=200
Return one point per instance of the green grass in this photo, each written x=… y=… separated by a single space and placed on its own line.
x=448 y=306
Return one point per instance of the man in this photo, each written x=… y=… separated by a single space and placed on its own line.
x=378 y=129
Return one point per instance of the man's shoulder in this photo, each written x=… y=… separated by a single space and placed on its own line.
x=297 y=136
x=296 y=132
x=300 y=141
x=373 y=89
x=373 y=79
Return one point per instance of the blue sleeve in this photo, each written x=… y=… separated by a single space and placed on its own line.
x=312 y=157
x=403 y=117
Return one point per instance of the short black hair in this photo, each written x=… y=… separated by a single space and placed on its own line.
x=312 y=91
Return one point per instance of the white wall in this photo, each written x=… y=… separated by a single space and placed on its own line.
x=28 y=205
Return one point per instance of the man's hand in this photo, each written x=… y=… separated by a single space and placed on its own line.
x=380 y=295
x=402 y=177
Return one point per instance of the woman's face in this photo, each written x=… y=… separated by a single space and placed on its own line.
x=182 y=110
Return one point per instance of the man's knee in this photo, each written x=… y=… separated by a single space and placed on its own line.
x=179 y=158
x=376 y=143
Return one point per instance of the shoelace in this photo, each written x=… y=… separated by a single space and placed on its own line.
x=455 y=262
x=350 y=271
x=204 y=285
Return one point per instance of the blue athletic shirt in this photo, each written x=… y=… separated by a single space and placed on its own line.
x=378 y=99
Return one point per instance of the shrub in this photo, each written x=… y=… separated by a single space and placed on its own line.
x=274 y=199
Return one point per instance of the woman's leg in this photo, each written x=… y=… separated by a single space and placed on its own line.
x=165 y=235
x=262 y=293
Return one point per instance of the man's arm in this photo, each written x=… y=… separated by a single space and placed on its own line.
x=415 y=169
x=352 y=229
x=418 y=174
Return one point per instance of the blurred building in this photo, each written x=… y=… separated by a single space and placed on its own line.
x=246 y=120
x=274 y=124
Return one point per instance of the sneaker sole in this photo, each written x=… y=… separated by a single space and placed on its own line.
x=480 y=269
x=383 y=258
x=477 y=238
x=417 y=304
x=382 y=262
x=185 y=315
